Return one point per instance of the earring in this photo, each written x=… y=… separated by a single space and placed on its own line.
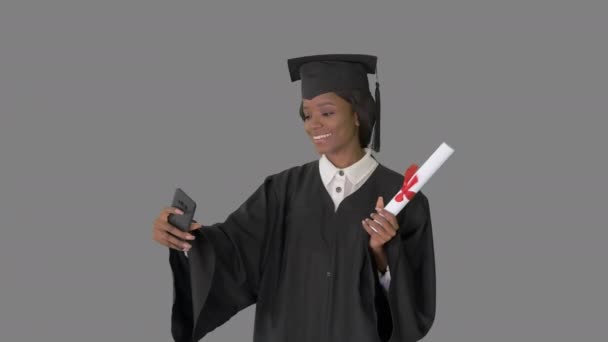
x=357 y=123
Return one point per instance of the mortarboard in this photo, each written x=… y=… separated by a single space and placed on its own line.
x=333 y=72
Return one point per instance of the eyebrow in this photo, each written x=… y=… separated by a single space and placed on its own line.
x=321 y=104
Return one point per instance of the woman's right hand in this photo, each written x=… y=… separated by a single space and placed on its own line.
x=170 y=236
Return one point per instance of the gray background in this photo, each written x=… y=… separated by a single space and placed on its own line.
x=107 y=106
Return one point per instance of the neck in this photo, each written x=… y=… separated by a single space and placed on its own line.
x=344 y=159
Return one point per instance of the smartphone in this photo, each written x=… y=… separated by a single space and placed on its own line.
x=186 y=204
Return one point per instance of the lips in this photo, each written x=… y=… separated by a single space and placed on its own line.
x=319 y=137
x=322 y=139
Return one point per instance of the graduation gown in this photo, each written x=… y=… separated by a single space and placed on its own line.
x=308 y=268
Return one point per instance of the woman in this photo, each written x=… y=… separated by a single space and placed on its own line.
x=304 y=246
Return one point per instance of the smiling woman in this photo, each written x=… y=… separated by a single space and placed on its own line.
x=304 y=247
x=340 y=105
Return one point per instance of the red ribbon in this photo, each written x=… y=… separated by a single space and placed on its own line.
x=408 y=182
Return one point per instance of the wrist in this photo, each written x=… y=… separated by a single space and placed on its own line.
x=378 y=251
x=380 y=259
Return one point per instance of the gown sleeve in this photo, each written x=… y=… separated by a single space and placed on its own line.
x=222 y=272
x=411 y=294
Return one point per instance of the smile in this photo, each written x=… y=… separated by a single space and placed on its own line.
x=318 y=137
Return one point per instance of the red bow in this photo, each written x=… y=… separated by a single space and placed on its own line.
x=408 y=182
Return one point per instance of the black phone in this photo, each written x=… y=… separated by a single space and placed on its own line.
x=186 y=204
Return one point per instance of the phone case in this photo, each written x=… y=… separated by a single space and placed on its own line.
x=186 y=204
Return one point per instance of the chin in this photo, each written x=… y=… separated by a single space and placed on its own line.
x=324 y=149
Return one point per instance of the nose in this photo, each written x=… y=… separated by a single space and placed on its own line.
x=315 y=121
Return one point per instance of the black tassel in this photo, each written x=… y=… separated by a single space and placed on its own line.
x=376 y=142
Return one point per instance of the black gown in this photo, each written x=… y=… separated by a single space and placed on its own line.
x=307 y=267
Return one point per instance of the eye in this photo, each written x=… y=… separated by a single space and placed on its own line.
x=329 y=113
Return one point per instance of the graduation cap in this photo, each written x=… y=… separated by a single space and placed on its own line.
x=329 y=73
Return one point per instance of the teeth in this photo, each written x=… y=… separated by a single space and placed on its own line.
x=322 y=136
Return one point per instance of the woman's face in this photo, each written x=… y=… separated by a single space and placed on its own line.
x=330 y=123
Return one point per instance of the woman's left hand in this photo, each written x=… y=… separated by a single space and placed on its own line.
x=381 y=227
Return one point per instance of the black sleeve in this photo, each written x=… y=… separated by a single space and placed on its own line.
x=222 y=272
x=384 y=323
x=411 y=295
x=181 y=313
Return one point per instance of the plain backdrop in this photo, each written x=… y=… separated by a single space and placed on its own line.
x=107 y=106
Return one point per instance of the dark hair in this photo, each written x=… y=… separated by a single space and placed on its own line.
x=363 y=103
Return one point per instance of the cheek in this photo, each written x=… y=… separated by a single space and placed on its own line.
x=340 y=128
x=340 y=121
x=346 y=127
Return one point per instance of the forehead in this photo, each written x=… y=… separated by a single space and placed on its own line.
x=322 y=99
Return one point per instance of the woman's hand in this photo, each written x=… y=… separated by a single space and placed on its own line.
x=170 y=236
x=382 y=226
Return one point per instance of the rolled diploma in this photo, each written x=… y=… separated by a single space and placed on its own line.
x=424 y=173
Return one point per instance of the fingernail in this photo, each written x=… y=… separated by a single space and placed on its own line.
x=187 y=246
x=177 y=211
x=378 y=209
x=190 y=237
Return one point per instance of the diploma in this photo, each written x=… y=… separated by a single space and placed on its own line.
x=416 y=177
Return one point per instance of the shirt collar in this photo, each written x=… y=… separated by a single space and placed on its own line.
x=354 y=172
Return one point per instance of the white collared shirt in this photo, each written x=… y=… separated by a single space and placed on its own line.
x=343 y=182
x=340 y=183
